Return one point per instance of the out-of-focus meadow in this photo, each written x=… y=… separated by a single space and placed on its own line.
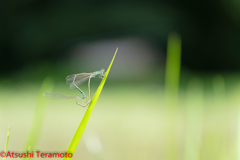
x=164 y=99
x=130 y=122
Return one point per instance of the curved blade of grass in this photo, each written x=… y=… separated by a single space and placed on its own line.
x=173 y=68
x=78 y=134
x=39 y=114
x=7 y=141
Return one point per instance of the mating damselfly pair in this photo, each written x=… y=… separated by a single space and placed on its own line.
x=75 y=81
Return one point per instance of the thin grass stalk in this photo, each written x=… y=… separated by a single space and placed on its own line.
x=8 y=134
x=39 y=115
x=173 y=66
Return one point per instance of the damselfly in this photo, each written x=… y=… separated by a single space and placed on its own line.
x=75 y=80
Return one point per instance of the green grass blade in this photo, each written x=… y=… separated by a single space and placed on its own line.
x=78 y=134
x=173 y=67
x=7 y=141
x=39 y=114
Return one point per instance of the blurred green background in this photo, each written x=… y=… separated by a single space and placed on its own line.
x=146 y=110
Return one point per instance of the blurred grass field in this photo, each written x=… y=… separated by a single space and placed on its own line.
x=186 y=118
x=130 y=122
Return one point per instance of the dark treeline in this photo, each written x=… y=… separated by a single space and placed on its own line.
x=40 y=30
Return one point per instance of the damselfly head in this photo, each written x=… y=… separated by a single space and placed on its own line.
x=102 y=73
x=102 y=70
